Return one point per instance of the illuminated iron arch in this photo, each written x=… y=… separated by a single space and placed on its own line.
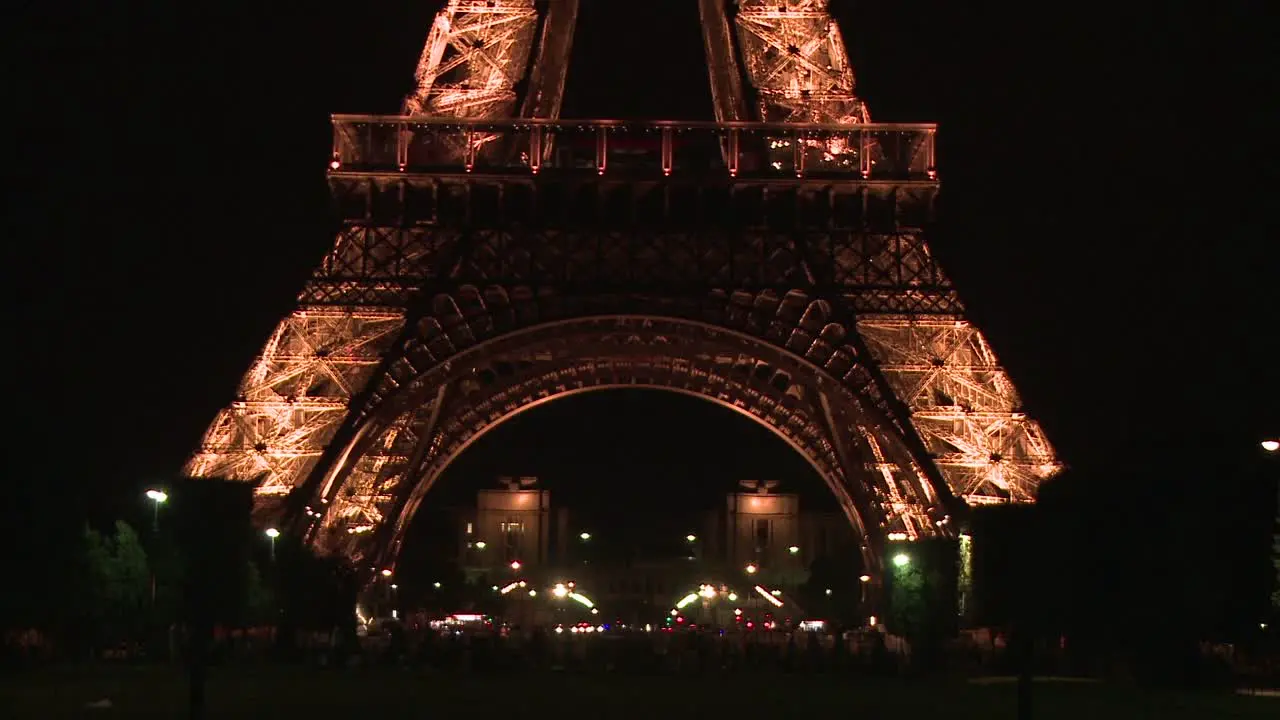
x=424 y=484
x=478 y=357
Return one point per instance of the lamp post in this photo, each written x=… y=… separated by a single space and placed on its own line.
x=1271 y=450
x=157 y=497
x=272 y=534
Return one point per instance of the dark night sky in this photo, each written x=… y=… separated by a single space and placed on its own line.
x=1102 y=215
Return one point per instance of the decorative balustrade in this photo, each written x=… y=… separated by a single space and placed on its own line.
x=393 y=144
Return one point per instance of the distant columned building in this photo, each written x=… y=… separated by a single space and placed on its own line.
x=510 y=524
x=767 y=530
x=759 y=536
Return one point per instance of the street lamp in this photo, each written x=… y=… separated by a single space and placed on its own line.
x=273 y=534
x=480 y=545
x=901 y=560
x=691 y=537
x=515 y=564
x=584 y=536
x=1271 y=445
x=157 y=497
x=751 y=569
x=793 y=549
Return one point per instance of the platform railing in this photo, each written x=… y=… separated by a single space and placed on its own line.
x=398 y=144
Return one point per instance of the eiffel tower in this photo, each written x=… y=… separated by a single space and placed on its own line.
x=493 y=257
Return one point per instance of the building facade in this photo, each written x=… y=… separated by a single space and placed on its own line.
x=510 y=527
x=760 y=537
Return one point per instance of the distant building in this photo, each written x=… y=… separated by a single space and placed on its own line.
x=508 y=525
x=759 y=537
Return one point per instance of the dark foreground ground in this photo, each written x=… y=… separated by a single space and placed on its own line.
x=282 y=692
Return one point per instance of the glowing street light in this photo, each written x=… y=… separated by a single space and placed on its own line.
x=272 y=534
x=386 y=572
x=793 y=549
x=560 y=590
x=1271 y=445
x=751 y=569
x=691 y=537
x=435 y=585
x=480 y=545
x=584 y=536
x=515 y=564
x=901 y=560
x=157 y=497
x=864 y=578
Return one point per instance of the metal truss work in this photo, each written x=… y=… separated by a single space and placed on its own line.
x=295 y=395
x=778 y=268
x=475 y=55
x=437 y=413
x=796 y=61
x=478 y=51
x=963 y=405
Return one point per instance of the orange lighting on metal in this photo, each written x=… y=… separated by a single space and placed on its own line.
x=768 y=596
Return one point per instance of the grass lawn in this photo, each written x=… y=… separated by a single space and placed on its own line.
x=283 y=693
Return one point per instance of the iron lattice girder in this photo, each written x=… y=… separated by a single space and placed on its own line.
x=464 y=285
x=575 y=356
x=796 y=59
x=792 y=51
x=459 y=330
x=474 y=56
x=962 y=405
x=848 y=239
x=492 y=236
x=295 y=395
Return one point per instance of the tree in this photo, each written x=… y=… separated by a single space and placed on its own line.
x=260 y=600
x=116 y=584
